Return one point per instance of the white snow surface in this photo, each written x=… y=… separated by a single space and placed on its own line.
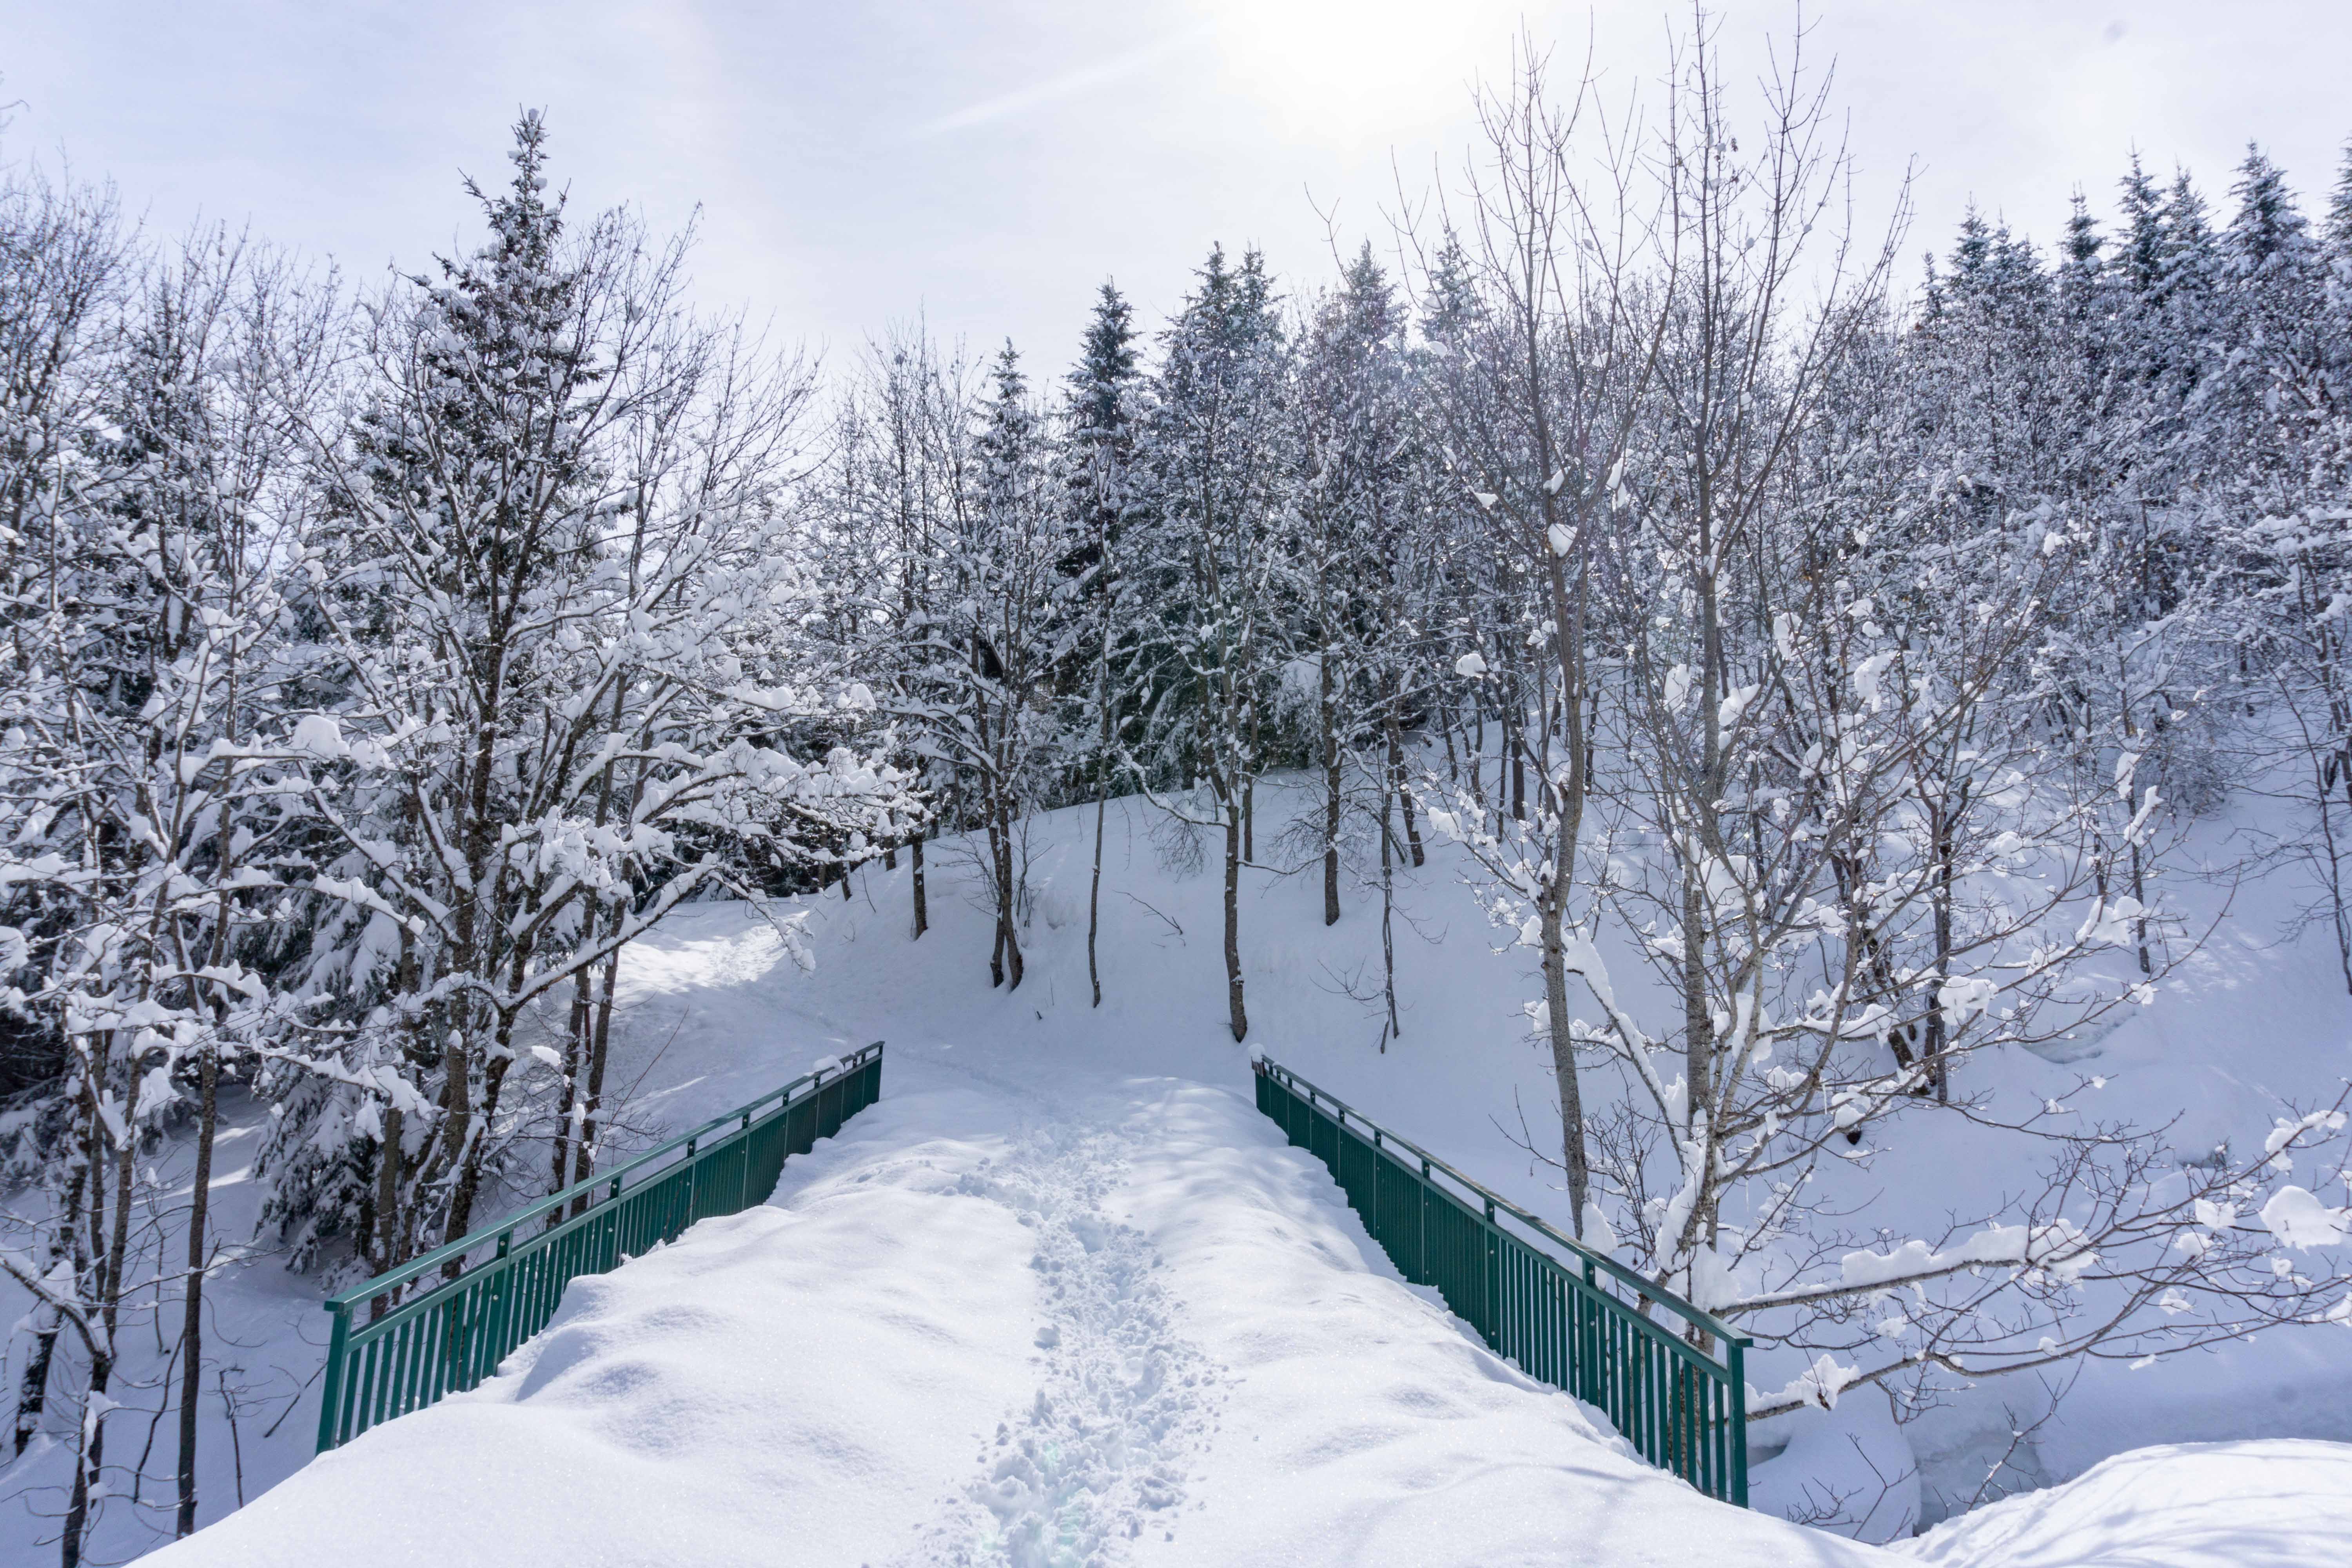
x=2277 y=1504
x=1030 y=1323
x=1069 y=1223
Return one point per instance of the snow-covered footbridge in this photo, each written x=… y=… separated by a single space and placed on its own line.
x=1002 y=1319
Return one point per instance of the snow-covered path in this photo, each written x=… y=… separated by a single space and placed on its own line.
x=1087 y=1320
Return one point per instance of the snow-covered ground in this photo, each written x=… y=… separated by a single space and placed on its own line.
x=1063 y=1297
x=2276 y=1504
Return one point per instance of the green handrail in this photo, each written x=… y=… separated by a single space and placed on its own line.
x=1681 y=1405
x=453 y=1336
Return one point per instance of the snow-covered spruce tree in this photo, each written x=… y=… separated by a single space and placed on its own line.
x=1353 y=447
x=1100 y=482
x=1963 y=459
x=553 y=615
x=1364 y=584
x=2277 y=443
x=1209 y=580
x=884 y=515
x=1463 y=605
x=983 y=699
x=2131 y=657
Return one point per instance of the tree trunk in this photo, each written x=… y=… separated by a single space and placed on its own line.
x=192 y=1332
x=1698 y=1026
x=1944 y=825
x=1405 y=793
x=1238 y=1015
x=89 y=1456
x=1518 y=769
x=33 y=1388
x=2139 y=926
x=598 y=1051
x=996 y=867
x=90 y=1450
x=1102 y=786
x=1388 y=927
x=387 y=1207
x=922 y=907
x=1573 y=1157
x=1094 y=895
x=568 y=1108
x=1007 y=897
x=1332 y=792
x=1475 y=745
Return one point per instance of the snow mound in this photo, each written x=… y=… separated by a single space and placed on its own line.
x=1090 y=1320
x=801 y=1373
x=2271 y=1504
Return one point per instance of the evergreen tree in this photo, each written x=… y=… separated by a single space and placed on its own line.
x=1211 y=577
x=551 y=614
x=1103 y=483
x=2266 y=230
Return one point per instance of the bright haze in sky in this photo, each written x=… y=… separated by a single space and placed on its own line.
x=988 y=163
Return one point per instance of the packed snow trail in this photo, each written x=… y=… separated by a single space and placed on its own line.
x=1123 y=1401
x=1090 y=1321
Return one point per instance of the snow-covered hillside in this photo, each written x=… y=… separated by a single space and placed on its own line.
x=1063 y=1296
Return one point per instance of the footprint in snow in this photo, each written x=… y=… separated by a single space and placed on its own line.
x=1100 y=1453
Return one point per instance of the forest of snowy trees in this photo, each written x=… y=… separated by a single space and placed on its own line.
x=1849 y=646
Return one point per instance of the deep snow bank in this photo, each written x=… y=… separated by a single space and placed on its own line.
x=1097 y=1321
x=2280 y=1504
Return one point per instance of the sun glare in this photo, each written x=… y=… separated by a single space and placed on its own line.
x=1351 y=70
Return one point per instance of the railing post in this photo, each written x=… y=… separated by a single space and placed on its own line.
x=1588 y=1338
x=1735 y=1367
x=330 y=1388
x=490 y=1349
x=1494 y=1282
x=1422 y=1277
x=613 y=1224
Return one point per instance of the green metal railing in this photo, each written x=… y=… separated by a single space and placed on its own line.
x=1566 y=1314
x=453 y=1336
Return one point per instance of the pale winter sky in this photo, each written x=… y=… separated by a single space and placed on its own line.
x=989 y=163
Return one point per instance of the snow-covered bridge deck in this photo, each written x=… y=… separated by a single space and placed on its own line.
x=995 y=1321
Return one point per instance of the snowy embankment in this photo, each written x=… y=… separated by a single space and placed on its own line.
x=2278 y=1504
x=1065 y=1322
